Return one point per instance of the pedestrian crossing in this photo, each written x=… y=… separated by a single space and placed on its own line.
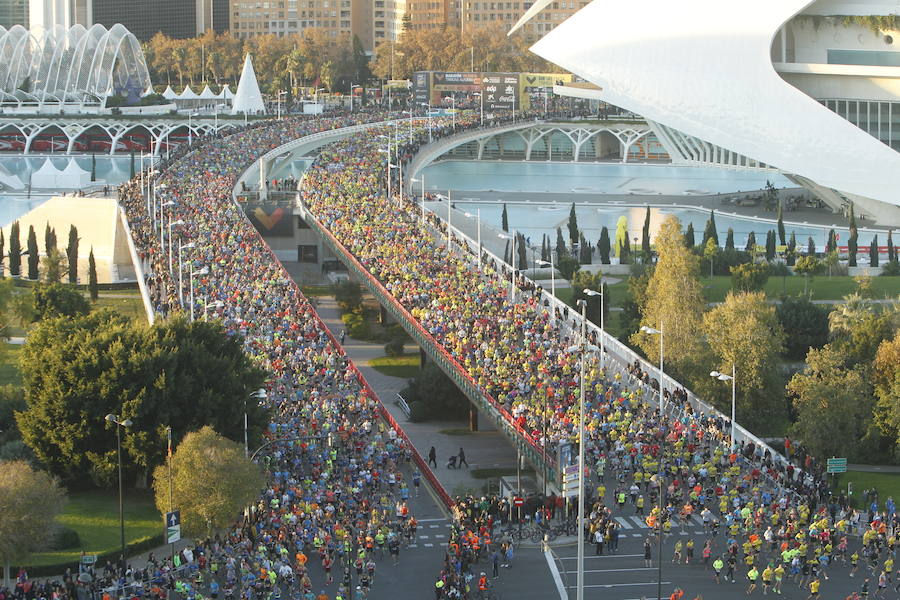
x=639 y=522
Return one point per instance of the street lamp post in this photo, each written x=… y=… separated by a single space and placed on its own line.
x=651 y=331
x=171 y=224
x=421 y=179
x=733 y=379
x=544 y=263
x=119 y=424
x=259 y=394
x=203 y=271
x=512 y=264
x=190 y=127
x=478 y=232
x=181 y=272
x=588 y=292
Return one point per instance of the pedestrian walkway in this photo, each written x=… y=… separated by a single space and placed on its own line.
x=484 y=449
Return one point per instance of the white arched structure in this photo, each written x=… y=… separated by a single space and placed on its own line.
x=69 y=68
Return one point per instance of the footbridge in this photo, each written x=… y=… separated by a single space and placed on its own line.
x=617 y=356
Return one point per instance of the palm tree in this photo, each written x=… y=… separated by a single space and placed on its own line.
x=848 y=315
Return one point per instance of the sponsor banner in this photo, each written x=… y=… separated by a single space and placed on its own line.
x=455 y=82
x=269 y=219
x=542 y=80
x=501 y=91
x=422 y=87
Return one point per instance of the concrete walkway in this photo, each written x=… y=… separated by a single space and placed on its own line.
x=487 y=448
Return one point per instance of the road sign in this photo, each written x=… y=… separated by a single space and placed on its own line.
x=173 y=526
x=836 y=465
x=89 y=559
x=518 y=501
x=571 y=473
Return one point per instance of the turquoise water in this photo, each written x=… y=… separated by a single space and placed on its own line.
x=109 y=169
x=604 y=178
x=13 y=207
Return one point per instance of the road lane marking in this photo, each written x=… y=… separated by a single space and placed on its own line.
x=625 y=524
x=560 y=588
x=602 y=556
x=612 y=585
x=620 y=570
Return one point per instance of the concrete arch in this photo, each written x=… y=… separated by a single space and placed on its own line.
x=29 y=141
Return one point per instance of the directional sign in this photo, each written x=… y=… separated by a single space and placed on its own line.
x=173 y=526
x=89 y=559
x=836 y=465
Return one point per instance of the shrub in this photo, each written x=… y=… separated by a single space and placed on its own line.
x=356 y=323
x=348 y=295
x=394 y=347
x=65 y=539
x=891 y=268
x=750 y=277
x=805 y=326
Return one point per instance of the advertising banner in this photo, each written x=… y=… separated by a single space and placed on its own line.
x=422 y=87
x=501 y=91
x=456 y=82
x=270 y=220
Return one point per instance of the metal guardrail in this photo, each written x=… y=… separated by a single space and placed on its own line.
x=403 y=404
x=138 y=268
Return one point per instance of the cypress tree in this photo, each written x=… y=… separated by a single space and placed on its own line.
x=873 y=252
x=792 y=250
x=15 y=250
x=504 y=220
x=831 y=245
x=710 y=231
x=645 y=240
x=2 y=245
x=781 y=224
x=770 y=246
x=92 y=277
x=584 y=250
x=33 y=257
x=522 y=251
x=72 y=254
x=625 y=253
x=853 y=240
x=603 y=246
x=751 y=243
x=729 y=239
x=892 y=252
x=573 y=225
x=561 y=250
x=689 y=236
x=505 y=253
x=49 y=240
x=811 y=247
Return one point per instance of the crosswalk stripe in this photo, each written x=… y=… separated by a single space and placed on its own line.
x=413 y=546
x=640 y=522
x=428 y=545
x=625 y=524
x=423 y=537
x=636 y=535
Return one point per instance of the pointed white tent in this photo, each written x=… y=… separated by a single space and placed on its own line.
x=207 y=94
x=72 y=177
x=247 y=98
x=169 y=94
x=188 y=94
x=226 y=93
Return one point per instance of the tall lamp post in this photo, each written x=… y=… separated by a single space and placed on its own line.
x=172 y=224
x=259 y=394
x=602 y=322
x=477 y=216
x=544 y=263
x=421 y=179
x=114 y=419
x=651 y=331
x=733 y=379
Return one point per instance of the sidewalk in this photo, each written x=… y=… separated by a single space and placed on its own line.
x=487 y=448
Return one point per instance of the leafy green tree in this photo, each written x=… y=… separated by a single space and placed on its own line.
x=15 y=250
x=77 y=370
x=810 y=247
x=828 y=388
x=573 y=225
x=744 y=331
x=873 y=252
x=561 y=250
x=831 y=244
x=584 y=250
x=689 y=238
x=432 y=395
x=92 y=277
x=853 y=240
x=53 y=265
x=603 y=246
x=750 y=277
x=630 y=317
x=807 y=266
x=211 y=482
x=504 y=219
x=886 y=371
x=710 y=252
x=51 y=300
x=831 y=260
x=856 y=330
x=674 y=300
x=771 y=196
x=71 y=254
x=30 y=500
x=710 y=232
x=625 y=252
x=750 y=248
x=567 y=266
x=805 y=326
x=729 y=239
x=781 y=238
x=33 y=256
x=645 y=238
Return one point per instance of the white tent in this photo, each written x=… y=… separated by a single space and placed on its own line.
x=149 y=91
x=169 y=94
x=188 y=94
x=226 y=93
x=247 y=98
x=72 y=177
x=207 y=94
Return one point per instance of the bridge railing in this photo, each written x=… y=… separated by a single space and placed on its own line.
x=502 y=418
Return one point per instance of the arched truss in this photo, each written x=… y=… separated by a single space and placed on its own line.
x=69 y=67
x=537 y=142
x=158 y=131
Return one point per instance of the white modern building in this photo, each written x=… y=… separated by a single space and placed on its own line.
x=810 y=89
x=71 y=70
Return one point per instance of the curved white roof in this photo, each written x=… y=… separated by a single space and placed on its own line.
x=703 y=67
x=75 y=65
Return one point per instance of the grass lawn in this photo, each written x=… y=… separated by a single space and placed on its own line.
x=887 y=484
x=822 y=287
x=95 y=516
x=316 y=290
x=406 y=366
x=132 y=306
x=9 y=365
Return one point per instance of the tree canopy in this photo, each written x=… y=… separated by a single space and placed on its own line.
x=211 y=482
x=77 y=370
